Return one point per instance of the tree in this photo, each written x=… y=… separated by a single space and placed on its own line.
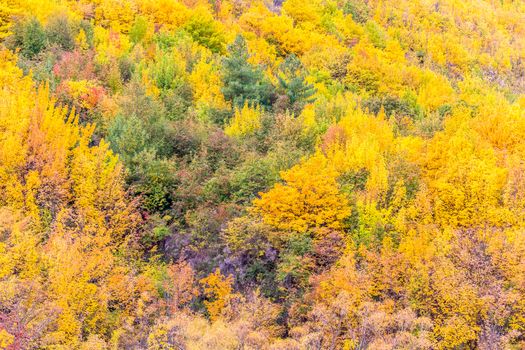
x=7 y=11
x=30 y=36
x=205 y=31
x=217 y=290
x=138 y=30
x=64 y=216
x=293 y=86
x=60 y=32
x=308 y=199
x=245 y=121
x=243 y=82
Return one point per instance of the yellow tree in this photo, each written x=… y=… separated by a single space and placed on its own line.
x=245 y=121
x=218 y=290
x=69 y=215
x=309 y=198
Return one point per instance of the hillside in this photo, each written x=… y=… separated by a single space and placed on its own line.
x=248 y=174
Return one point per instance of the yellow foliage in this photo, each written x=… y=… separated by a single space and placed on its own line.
x=303 y=12
x=309 y=198
x=170 y=13
x=467 y=189
x=7 y=11
x=206 y=82
x=434 y=92
x=84 y=215
x=366 y=143
x=218 y=290
x=117 y=15
x=426 y=192
x=109 y=44
x=6 y=339
x=245 y=121
x=81 y=40
x=308 y=117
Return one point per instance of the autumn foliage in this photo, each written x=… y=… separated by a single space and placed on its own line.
x=319 y=174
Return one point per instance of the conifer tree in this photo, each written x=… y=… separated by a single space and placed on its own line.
x=293 y=85
x=243 y=82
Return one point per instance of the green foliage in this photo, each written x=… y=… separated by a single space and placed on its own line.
x=217 y=189
x=354 y=181
x=293 y=85
x=177 y=101
x=243 y=82
x=30 y=37
x=357 y=9
x=355 y=166
x=254 y=176
x=376 y=35
x=165 y=40
x=61 y=32
x=206 y=32
x=89 y=31
x=153 y=180
x=295 y=264
x=128 y=136
x=157 y=230
x=394 y=106
x=165 y=72
x=139 y=30
x=140 y=146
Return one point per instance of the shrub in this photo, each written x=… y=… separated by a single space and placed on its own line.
x=29 y=36
x=60 y=32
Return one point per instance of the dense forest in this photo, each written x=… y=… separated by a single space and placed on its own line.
x=249 y=174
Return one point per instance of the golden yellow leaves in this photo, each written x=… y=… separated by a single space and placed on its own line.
x=71 y=193
x=170 y=13
x=6 y=339
x=309 y=198
x=434 y=91
x=7 y=11
x=245 y=121
x=110 y=44
x=206 y=82
x=303 y=12
x=117 y=15
x=218 y=290
x=367 y=141
x=464 y=175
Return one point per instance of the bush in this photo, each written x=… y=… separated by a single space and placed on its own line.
x=126 y=68
x=60 y=32
x=139 y=30
x=89 y=31
x=252 y=177
x=155 y=181
x=357 y=9
x=128 y=137
x=165 y=72
x=394 y=106
x=185 y=137
x=293 y=85
x=75 y=65
x=205 y=32
x=177 y=101
x=29 y=36
x=376 y=34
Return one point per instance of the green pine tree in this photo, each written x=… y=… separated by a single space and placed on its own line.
x=242 y=81
x=293 y=84
x=33 y=38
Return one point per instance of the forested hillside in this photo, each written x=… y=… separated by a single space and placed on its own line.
x=249 y=174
